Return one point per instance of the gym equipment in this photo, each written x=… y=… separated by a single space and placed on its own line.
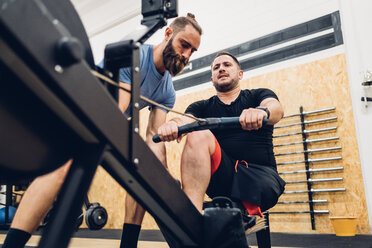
x=95 y=215
x=311 y=112
x=307 y=161
x=302 y=212
x=307 y=132
x=309 y=151
x=321 y=180
x=67 y=115
x=314 y=191
x=49 y=151
x=222 y=217
x=307 y=141
x=308 y=122
x=214 y=215
x=208 y=123
x=312 y=170
x=251 y=224
x=10 y=212
x=300 y=202
x=315 y=160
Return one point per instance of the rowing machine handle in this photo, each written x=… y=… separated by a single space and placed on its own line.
x=209 y=123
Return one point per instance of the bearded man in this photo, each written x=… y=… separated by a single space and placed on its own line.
x=157 y=64
x=236 y=163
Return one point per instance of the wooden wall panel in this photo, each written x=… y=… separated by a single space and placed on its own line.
x=315 y=85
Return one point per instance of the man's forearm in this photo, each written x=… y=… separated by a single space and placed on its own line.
x=276 y=114
x=158 y=149
x=276 y=110
x=182 y=120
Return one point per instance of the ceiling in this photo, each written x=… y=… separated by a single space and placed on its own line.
x=99 y=16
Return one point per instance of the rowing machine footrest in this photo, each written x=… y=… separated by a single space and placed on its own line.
x=223 y=226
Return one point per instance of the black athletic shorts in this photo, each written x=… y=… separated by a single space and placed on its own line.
x=241 y=181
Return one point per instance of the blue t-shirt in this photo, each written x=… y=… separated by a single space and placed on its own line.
x=154 y=86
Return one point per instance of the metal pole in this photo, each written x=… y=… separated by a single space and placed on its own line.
x=311 y=160
x=70 y=199
x=303 y=212
x=8 y=202
x=306 y=132
x=312 y=170
x=310 y=151
x=316 y=180
x=311 y=112
x=311 y=205
x=299 y=202
x=308 y=122
x=314 y=191
x=308 y=141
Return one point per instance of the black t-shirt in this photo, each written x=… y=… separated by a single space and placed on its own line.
x=252 y=146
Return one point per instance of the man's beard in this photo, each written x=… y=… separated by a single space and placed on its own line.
x=173 y=62
x=227 y=86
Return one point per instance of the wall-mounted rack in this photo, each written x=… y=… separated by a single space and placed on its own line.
x=305 y=132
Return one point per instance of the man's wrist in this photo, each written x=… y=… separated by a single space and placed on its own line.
x=177 y=121
x=264 y=109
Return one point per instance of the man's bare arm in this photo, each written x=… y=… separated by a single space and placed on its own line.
x=275 y=108
x=156 y=119
x=169 y=131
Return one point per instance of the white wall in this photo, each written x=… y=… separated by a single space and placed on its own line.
x=356 y=20
x=224 y=25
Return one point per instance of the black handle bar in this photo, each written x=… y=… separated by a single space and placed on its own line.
x=208 y=123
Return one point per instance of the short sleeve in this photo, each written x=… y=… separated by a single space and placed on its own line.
x=168 y=102
x=262 y=93
x=125 y=75
x=196 y=108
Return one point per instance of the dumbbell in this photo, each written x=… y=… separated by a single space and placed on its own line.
x=95 y=215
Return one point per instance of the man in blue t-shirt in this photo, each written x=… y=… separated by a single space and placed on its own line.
x=158 y=64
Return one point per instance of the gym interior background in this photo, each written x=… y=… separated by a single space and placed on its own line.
x=315 y=54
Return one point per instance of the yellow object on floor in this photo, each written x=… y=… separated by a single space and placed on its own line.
x=344 y=226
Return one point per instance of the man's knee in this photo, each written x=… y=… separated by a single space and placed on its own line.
x=61 y=172
x=56 y=177
x=200 y=139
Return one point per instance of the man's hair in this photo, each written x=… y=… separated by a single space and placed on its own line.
x=181 y=22
x=228 y=54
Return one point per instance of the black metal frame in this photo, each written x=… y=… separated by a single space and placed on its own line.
x=307 y=166
x=84 y=107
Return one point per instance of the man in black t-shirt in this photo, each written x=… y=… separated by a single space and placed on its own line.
x=237 y=163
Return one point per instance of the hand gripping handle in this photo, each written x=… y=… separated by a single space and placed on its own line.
x=208 y=123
